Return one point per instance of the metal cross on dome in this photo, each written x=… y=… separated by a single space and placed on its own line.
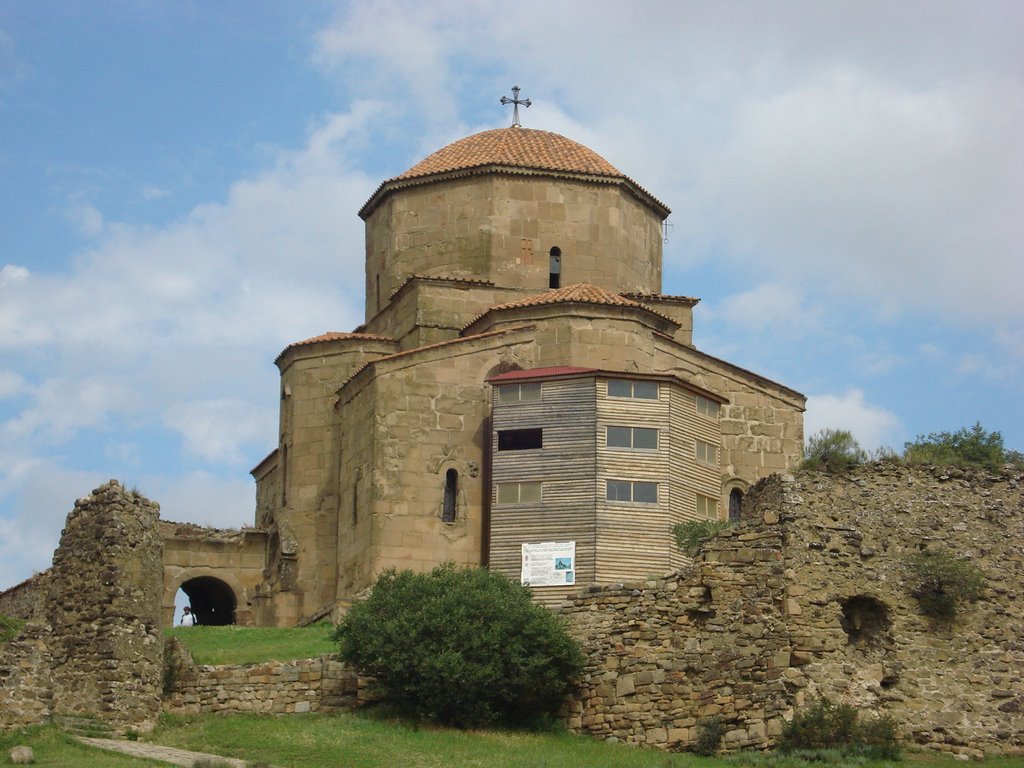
x=515 y=101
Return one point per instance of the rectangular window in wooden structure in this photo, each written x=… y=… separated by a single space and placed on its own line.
x=636 y=491
x=528 y=392
x=519 y=493
x=707 y=407
x=644 y=390
x=707 y=453
x=707 y=507
x=632 y=437
x=520 y=439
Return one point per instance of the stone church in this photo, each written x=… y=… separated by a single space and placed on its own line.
x=521 y=395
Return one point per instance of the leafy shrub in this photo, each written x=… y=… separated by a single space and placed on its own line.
x=690 y=534
x=461 y=646
x=833 y=450
x=939 y=580
x=822 y=725
x=970 y=447
x=709 y=736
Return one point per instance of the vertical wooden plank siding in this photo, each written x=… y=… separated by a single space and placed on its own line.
x=565 y=467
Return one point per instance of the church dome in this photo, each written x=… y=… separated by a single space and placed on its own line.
x=514 y=148
x=517 y=151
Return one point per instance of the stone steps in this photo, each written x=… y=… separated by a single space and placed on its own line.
x=83 y=725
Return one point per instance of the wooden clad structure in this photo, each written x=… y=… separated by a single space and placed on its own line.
x=616 y=459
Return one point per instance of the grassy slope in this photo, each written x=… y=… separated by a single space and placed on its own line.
x=251 y=645
x=356 y=741
x=53 y=748
x=314 y=741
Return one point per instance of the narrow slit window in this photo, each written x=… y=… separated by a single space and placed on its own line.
x=451 y=494
x=555 y=268
x=520 y=439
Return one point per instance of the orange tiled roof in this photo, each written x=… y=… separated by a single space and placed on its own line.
x=518 y=147
x=334 y=336
x=581 y=292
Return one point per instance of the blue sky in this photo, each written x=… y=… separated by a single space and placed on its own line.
x=180 y=183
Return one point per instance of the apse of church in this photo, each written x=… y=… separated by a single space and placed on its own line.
x=511 y=257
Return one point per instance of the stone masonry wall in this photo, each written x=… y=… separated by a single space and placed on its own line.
x=25 y=684
x=104 y=610
x=306 y=685
x=26 y=600
x=809 y=595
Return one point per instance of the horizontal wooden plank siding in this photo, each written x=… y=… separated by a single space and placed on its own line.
x=633 y=538
x=620 y=540
x=565 y=467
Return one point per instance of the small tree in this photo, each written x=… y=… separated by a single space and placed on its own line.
x=460 y=646
x=972 y=447
x=939 y=580
x=833 y=450
x=690 y=534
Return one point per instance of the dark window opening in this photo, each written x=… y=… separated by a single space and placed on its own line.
x=355 y=501
x=735 y=504
x=520 y=439
x=378 y=293
x=451 y=492
x=555 y=269
x=211 y=600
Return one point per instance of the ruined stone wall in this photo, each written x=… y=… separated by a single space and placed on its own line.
x=25 y=683
x=810 y=595
x=104 y=610
x=306 y=685
x=26 y=600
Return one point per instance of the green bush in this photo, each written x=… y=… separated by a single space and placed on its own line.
x=690 y=534
x=709 y=736
x=822 y=725
x=967 y=447
x=461 y=646
x=940 y=580
x=833 y=450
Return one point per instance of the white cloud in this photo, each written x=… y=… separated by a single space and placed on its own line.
x=12 y=274
x=215 y=430
x=872 y=425
x=11 y=384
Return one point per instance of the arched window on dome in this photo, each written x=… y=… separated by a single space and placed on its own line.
x=555 y=269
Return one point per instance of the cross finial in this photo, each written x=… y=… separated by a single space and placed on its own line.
x=515 y=101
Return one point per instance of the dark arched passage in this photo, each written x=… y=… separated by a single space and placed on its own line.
x=211 y=599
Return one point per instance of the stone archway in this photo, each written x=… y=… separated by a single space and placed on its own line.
x=212 y=600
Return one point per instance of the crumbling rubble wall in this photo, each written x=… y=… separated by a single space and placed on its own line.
x=809 y=595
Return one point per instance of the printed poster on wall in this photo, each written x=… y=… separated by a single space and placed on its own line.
x=549 y=564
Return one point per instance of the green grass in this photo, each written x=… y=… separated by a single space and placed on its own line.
x=253 y=645
x=9 y=627
x=359 y=741
x=54 y=748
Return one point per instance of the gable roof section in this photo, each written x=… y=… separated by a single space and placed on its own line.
x=580 y=293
